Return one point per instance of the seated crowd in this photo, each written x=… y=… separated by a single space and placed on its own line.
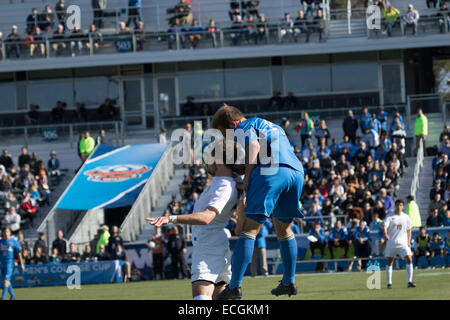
x=25 y=187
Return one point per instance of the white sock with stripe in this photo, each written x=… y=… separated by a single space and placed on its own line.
x=409 y=271
x=202 y=297
x=389 y=274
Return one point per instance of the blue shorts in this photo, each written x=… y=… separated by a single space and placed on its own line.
x=277 y=194
x=7 y=272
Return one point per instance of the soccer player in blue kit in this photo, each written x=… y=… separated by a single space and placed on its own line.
x=271 y=189
x=8 y=246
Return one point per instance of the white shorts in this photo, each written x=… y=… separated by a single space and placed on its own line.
x=211 y=256
x=401 y=250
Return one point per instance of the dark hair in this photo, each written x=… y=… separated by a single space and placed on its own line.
x=398 y=201
x=224 y=116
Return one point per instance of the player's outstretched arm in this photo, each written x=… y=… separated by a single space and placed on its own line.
x=198 y=218
x=251 y=156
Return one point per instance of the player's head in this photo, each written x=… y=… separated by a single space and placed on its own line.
x=219 y=160
x=6 y=233
x=399 y=204
x=422 y=231
x=227 y=117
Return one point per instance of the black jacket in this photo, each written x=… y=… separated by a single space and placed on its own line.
x=350 y=126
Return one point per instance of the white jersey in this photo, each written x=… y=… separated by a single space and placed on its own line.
x=221 y=194
x=211 y=255
x=397 y=227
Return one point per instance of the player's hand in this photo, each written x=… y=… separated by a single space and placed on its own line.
x=158 y=221
x=22 y=267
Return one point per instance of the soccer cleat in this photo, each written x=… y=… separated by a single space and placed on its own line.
x=411 y=285
x=290 y=289
x=389 y=286
x=230 y=294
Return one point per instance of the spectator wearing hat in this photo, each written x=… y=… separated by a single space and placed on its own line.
x=13 y=41
x=410 y=19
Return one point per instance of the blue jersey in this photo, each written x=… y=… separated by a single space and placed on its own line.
x=341 y=234
x=7 y=250
x=362 y=233
x=435 y=246
x=280 y=148
x=383 y=118
x=375 y=124
x=320 y=236
x=364 y=121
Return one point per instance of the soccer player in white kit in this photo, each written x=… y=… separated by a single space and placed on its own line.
x=211 y=255
x=397 y=230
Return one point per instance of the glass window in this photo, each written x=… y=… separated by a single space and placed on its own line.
x=148 y=87
x=315 y=59
x=307 y=79
x=97 y=71
x=8 y=100
x=165 y=67
x=200 y=65
x=49 y=74
x=354 y=56
x=392 y=89
x=277 y=79
x=201 y=85
x=390 y=55
x=45 y=93
x=247 y=82
x=247 y=63
x=355 y=77
x=21 y=90
x=94 y=91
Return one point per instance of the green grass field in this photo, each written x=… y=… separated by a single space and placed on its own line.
x=431 y=284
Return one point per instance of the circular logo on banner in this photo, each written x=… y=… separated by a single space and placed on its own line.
x=117 y=173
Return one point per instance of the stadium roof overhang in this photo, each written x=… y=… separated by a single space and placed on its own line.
x=331 y=46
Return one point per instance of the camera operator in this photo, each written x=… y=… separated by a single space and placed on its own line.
x=182 y=11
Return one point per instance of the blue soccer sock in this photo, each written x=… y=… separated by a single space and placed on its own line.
x=5 y=290
x=242 y=255
x=288 y=250
x=11 y=291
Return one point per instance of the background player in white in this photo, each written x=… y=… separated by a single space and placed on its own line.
x=211 y=255
x=397 y=230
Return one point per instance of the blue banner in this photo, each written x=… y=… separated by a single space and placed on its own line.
x=112 y=177
x=66 y=273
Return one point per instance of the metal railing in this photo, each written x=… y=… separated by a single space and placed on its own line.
x=417 y=167
x=69 y=129
x=134 y=222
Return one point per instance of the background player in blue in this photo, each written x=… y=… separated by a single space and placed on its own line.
x=8 y=247
x=273 y=189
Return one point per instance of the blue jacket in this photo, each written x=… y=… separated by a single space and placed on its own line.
x=364 y=121
x=388 y=203
x=362 y=233
x=383 y=118
x=341 y=234
x=317 y=218
x=437 y=246
x=375 y=124
x=320 y=236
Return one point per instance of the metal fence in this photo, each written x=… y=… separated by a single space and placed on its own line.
x=417 y=167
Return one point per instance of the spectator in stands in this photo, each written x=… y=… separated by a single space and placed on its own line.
x=12 y=43
x=58 y=112
x=322 y=132
x=447 y=247
x=447 y=218
x=157 y=253
x=96 y=37
x=287 y=27
x=412 y=210
x=410 y=19
x=24 y=157
x=39 y=257
x=114 y=240
x=5 y=186
x=72 y=255
x=251 y=32
x=350 y=126
x=318 y=242
x=432 y=3
x=176 y=31
x=134 y=12
x=445 y=146
x=276 y=101
x=314 y=215
x=53 y=165
x=436 y=245
x=338 y=237
x=300 y=26
x=259 y=251
x=60 y=10
x=235 y=10
x=434 y=220
x=88 y=255
x=422 y=246
x=12 y=220
x=195 y=33
x=58 y=44
x=6 y=160
x=163 y=135
x=364 y=119
x=80 y=112
x=140 y=36
x=318 y=24
x=436 y=203
x=305 y=126
x=33 y=20
x=76 y=43
x=437 y=189
x=40 y=243
x=98 y=6
x=87 y=145
x=61 y=244
x=104 y=238
x=212 y=32
x=35 y=163
x=391 y=16
x=388 y=203
x=107 y=110
x=26 y=256
x=236 y=30
x=28 y=208
x=55 y=257
x=177 y=248
x=102 y=254
x=362 y=243
x=261 y=27
x=11 y=201
x=421 y=129
x=183 y=12
x=47 y=18
x=290 y=101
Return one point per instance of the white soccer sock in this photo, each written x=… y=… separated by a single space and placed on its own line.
x=389 y=274
x=202 y=297
x=409 y=271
